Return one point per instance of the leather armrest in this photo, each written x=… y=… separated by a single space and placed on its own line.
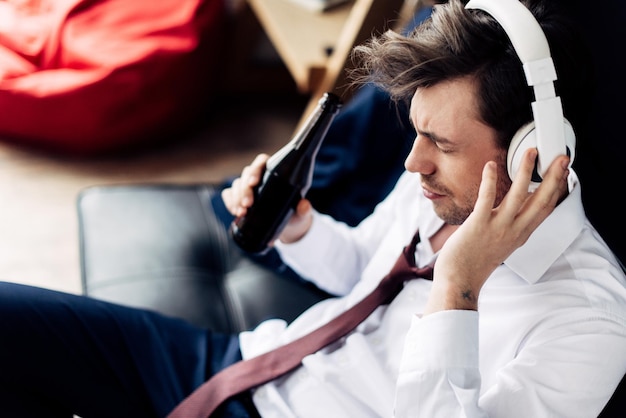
x=162 y=247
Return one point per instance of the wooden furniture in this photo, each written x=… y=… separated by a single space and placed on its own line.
x=315 y=46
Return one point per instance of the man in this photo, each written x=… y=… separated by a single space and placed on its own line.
x=525 y=315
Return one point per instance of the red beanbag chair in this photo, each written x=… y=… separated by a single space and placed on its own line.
x=91 y=76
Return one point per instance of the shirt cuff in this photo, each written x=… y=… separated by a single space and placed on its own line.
x=315 y=239
x=446 y=339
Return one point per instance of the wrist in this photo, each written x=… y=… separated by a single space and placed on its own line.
x=451 y=296
x=296 y=229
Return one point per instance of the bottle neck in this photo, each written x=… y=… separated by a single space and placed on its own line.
x=308 y=139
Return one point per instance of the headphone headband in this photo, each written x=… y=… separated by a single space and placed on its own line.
x=532 y=48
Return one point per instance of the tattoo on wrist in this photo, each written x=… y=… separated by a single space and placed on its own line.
x=468 y=298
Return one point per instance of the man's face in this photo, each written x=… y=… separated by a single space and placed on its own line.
x=451 y=148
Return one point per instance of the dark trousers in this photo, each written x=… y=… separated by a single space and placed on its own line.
x=63 y=354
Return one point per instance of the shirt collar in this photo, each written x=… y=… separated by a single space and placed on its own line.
x=552 y=236
x=545 y=244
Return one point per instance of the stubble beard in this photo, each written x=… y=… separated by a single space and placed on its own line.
x=454 y=213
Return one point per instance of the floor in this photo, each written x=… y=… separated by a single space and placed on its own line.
x=38 y=222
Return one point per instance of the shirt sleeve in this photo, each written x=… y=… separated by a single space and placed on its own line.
x=333 y=255
x=439 y=374
x=325 y=256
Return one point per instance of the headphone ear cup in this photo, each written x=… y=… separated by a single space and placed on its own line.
x=526 y=137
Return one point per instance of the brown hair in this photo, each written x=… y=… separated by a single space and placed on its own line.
x=457 y=42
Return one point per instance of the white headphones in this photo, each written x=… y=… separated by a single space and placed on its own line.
x=549 y=132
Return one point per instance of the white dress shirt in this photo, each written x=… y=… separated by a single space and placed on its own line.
x=548 y=340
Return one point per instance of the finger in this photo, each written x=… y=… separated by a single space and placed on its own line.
x=487 y=190
x=303 y=207
x=247 y=176
x=250 y=178
x=555 y=179
x=256 y=168
x=240 y=195
x=236 y=192
x=300 y=223
x=260 y=159
x=546 y=197
x=232 y=203
x=227 y=199
x=518 y=193
x=251 y=173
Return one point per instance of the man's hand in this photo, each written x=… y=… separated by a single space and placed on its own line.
x=240 y=196
x=490 y=235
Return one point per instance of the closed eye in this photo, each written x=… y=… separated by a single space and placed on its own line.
x=444 y=145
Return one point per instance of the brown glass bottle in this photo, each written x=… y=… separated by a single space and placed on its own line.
x=286 y=180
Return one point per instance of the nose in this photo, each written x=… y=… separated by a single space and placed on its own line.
x=420 y=158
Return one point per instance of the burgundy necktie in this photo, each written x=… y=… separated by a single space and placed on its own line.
x=253 y=372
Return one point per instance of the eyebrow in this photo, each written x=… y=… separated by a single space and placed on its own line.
x=435 y=138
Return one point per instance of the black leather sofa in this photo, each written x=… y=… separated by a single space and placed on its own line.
x=163 y=247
